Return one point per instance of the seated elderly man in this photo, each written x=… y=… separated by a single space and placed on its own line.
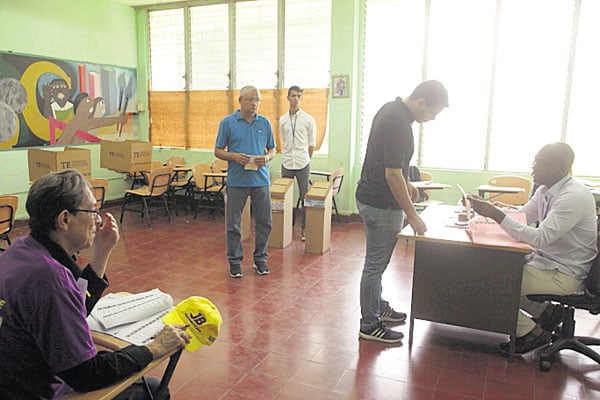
x=46 y=348
x=565 y=242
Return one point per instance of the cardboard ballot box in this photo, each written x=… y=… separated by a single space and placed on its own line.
x=42 y=162
x=282 y=212
x=317 y=204
x=126 y=156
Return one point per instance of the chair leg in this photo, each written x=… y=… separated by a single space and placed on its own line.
x=167 y=208
x=123 y=207
x=146 y=212
x=577 y=344
x=337 y=214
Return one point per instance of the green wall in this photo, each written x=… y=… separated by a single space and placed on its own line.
x=81 y=30
x=105 y=32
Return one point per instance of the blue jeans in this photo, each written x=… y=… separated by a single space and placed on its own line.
x=261 y=212
x=302 y=176
x=381 y=227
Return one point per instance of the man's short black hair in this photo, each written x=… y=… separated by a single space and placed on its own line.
x=433 y=92
x=295 y=89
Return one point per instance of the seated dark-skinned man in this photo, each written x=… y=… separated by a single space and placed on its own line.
x=46 y=347
x=564 y=238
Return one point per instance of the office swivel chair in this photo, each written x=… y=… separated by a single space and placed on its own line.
x=590 y=301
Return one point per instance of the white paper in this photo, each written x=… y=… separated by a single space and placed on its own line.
x=115 y=310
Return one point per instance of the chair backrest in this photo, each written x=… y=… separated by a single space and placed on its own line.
x=592 y=283
x=159 y=180
x=175 y=160
x=336 y=178
x=99 y=188
x=8 y=210
x=198 y=171
x=516 y=199
x=218 y=165
x=155 y=164
x=426 y=176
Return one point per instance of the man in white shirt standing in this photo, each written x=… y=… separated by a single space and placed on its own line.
x=298 y=132
x=565 y=242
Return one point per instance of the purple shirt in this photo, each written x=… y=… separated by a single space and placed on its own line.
x=43 y=328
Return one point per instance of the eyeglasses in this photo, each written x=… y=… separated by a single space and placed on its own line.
x=96 y=213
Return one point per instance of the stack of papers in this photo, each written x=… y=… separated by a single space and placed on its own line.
x=134 y=318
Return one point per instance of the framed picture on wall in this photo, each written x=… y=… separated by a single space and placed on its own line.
x=340 y=85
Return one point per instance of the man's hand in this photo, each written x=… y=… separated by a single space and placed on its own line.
x=486 y=209
x=170 y=338
x=261 y=160
x=241 y=158
x=417 y=224
x=107 y=234
x=413 y=192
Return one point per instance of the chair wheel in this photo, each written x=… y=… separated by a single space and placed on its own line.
x=545 y=365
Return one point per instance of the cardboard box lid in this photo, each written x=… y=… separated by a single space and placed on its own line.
x=283 y=182
x=319 y=190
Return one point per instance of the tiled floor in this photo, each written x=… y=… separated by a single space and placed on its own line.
x=293 y=334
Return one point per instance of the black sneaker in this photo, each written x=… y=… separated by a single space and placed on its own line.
x=391 y=315
x=261 y=269
x=235 y=271
x=381 y=334
x=527 y=343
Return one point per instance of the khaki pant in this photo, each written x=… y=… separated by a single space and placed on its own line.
x=541 y=281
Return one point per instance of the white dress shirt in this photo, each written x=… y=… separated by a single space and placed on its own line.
x=566 y=236
x=298 y=133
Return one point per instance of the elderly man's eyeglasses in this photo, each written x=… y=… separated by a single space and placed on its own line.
x=95 y=213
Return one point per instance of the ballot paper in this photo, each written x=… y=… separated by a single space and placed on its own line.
x=135 y=318
x=466 y=202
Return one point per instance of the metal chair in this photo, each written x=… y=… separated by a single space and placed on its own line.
x=336 y=178
x=158 y=188
x=516 y=199
x=210 y=193
x=8 y=210
x=99 y=188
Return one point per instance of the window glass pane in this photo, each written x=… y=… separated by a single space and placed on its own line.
x=460 y=55
x=582 y=128
x=256 y=44
x=307 y=43
x=210 y=38
x=531 y=74
x=393 y=55
x=167 y=57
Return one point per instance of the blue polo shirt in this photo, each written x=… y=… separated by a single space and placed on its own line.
x=252 y=138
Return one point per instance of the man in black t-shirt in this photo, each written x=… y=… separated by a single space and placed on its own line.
x=384 y=193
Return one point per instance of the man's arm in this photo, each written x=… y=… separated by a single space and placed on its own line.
x=239 y=158
x=397 y=185
x=109 y=367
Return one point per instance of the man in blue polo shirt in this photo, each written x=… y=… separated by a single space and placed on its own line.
x=245 y=141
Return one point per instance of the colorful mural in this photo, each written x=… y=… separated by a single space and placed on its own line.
x=45 y=101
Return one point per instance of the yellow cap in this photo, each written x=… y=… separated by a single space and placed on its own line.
x=203 y=318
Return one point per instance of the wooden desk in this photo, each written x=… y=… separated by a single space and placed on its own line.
x=429 y=185
x=108 y=342
x=498 y=190
x=459 y=283
x=326 y=174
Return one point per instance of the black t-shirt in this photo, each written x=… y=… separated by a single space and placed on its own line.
x=391 y=145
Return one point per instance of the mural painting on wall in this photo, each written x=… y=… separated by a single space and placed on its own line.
x=45 y=101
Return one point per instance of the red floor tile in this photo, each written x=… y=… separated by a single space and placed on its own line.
x=294 y=333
